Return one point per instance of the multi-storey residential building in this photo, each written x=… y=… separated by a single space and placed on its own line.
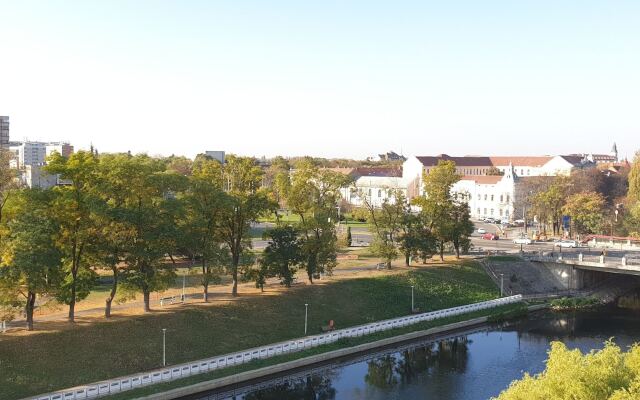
x=30 y=157
x=216 y=155
x=4 y=132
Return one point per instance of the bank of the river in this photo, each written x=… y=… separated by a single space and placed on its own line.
x=57 y=359
x=473 y=364
x=262 y=368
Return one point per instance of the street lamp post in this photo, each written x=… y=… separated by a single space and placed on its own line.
x=501 y=285
x=306 y=307
x=412 y=298
x=164 y=346
x=184 y=281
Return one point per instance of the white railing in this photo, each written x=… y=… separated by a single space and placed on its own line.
x=134 y=381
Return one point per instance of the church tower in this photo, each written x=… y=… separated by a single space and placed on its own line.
x=614 y=151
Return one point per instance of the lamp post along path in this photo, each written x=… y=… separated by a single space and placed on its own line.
x=306 y=306
x=164 y=346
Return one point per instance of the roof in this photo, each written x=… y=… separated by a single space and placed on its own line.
x=526 y=161
x=573 y=159
x=390 y=172
x=432 y=161
x=483 y=179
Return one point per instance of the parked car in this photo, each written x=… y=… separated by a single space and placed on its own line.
x=522 y=240
x=566 y=243
x=490 y=236
x=481 y=231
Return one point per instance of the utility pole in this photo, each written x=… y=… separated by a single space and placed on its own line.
x=412 y=302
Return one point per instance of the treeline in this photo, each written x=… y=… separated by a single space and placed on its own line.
x=597 y=202
x=127 y=214
x=434 y=224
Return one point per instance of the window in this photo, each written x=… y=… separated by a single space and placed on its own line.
x=485 y=211
x=528 y=172
x=479 y=196
x=492 y=211
x=501 y=212
x=491 y=197
x=506 y=212
x=508 y=198
x=521 y=171
x=501 y=197
x=379 y=193
x=485 y=197
x=369 y=192
x=478 y=210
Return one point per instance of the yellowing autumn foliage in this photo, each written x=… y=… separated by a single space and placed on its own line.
x=607 y=374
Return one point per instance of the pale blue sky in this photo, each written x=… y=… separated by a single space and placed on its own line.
x=327 y=78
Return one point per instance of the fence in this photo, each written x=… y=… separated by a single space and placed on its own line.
x=121 y=384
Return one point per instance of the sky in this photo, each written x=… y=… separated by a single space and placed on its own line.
x=324 y=78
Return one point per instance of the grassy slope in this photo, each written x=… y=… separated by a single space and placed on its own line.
x=49 y=361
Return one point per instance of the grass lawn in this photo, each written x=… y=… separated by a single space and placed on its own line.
x=57 y=359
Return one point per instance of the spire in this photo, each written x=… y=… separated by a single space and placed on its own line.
x=614 y=151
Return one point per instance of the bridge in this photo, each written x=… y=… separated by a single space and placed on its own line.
x=578 y=271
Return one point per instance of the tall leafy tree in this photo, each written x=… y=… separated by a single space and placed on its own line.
x=387 y=222
x=634 y=179
x=74 y=207
x=7 y=181
x=282 y=255
x=31 y=262
x=437 y=206
x=150 y=211
x=201 y=237
x=313 y=195
x=586 y=210
x=245 y=201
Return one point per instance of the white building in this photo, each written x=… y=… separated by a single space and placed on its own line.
x=488 y=195
x=34 y=176
x=373 y=185
x=29 y=153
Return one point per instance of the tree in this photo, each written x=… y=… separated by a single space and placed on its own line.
x=282 y=255
x=349 y=237
x=634 y=179
x=446 y=218
x=150 y=211
x=201 y=238
x=586 y=210
x=494 y=171
x=246 y=201
x=314 y=195
x=74 y=207
x=609 y=374
x=461 y=227
x=31 y=261
x=387 y=222
x=7 y=180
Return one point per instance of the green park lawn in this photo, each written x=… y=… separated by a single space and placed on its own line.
x=66 y=357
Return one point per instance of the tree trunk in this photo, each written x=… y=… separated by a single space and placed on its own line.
x=146 y=296
x=72 y=303
x=457 y=247
x=31 y=301
x=112 y=294
x=441 y=251
x=235 y=261
x=406 y=259
x=205 y=292
x=388 y=264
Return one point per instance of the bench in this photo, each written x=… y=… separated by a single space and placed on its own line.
x=328 y=328
x=170 y=299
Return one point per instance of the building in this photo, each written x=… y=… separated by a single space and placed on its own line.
x=34 y=176
x=29 y=153
x=216 y=155
x=63 y=148
x=4 y=132
x=610 y=158
x=489 y=184
x=374 y=185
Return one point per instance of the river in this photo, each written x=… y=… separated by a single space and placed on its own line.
x=468 y=365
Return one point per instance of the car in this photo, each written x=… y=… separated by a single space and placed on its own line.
x=566 y=243
x=489 y=220
x=490 y=236
x=482 y=231
x=522 y=240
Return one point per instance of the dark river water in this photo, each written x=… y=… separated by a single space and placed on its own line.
x=476 y=364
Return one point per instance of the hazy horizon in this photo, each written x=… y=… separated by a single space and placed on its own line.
x=331 y=79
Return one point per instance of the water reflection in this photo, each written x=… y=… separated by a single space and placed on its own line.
x=472 y=365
